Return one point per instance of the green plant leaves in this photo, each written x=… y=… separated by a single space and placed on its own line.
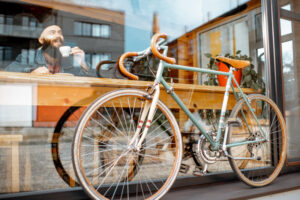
x=246 y=71
x=247 y=78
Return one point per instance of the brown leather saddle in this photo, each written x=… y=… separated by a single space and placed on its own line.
x=239 y=64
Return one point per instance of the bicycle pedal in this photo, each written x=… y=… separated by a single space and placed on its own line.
x=198 y=171
x=234 y=122
x=184 y=168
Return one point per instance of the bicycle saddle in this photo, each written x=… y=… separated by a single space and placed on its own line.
x=239 y=64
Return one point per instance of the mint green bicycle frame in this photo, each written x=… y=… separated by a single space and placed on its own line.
x=215 y=143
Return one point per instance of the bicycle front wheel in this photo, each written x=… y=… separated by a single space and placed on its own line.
x=105 y=132
x=258 y=164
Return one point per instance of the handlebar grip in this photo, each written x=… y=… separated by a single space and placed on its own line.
x=123 y=69
x=156 y=52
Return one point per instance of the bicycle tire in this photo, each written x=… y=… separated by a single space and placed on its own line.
x=60 y=159
x=153 y=179
x=266 y=158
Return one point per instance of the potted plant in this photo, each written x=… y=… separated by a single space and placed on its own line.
x=249 y=77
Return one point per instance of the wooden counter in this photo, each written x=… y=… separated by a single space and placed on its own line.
x=62 y=91
x=66 y=90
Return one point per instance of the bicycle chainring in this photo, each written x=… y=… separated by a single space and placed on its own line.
x=204 y=150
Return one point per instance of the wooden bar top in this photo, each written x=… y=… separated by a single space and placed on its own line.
x=70 y=80
x=53 y=94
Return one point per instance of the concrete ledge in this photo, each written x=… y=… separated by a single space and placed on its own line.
x=216 y=187
x=234 y=189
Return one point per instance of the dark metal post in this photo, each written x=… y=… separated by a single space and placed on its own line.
x=272 y=46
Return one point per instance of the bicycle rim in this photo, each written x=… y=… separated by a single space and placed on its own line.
x=262 y=161
x=61 y=144
x=107 y=167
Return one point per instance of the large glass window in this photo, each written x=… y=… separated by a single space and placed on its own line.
x=49 y=53
x=290 y=61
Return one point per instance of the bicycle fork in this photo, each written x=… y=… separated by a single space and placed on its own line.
x=148 y=112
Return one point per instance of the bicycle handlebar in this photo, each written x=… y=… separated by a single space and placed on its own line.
x=123 y=70
x=154 y=50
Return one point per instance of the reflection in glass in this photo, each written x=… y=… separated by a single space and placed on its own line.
x=226 y=39
x=109 y=28
x=286 y=7
x=77 y=28
x=24 y=56
x=291 y=99
x=1 y=23
x=32 y=23
x=285 y=26
x=291 y=81
x=105 y=31
x=96 y=30
x=31 y=56
x=25 y=22
x=86 y=29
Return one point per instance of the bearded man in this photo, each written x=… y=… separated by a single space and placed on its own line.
x=48 y=58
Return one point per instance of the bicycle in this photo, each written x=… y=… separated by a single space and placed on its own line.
x=253 y=138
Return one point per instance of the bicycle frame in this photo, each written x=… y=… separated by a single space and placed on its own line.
x=160 y=80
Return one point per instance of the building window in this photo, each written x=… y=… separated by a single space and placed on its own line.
x=93 y=59
x=1 y=23
x=77 y=28
x=9 y=20
x=96 y=32
x=5 y=54
x=105 y=31
x=33 y=23
x=1 y=19
x=25 y=22
x=90 y=29
x=30 y=23
x=286 y=25
x=86 y=29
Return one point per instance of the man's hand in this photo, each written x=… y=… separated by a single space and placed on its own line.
x=41 y=70
x=80 y=57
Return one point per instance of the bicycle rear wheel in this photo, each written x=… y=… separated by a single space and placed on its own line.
x=123 y=174
x=262 y=161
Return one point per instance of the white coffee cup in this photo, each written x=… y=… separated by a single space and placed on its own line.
x=65 y=50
